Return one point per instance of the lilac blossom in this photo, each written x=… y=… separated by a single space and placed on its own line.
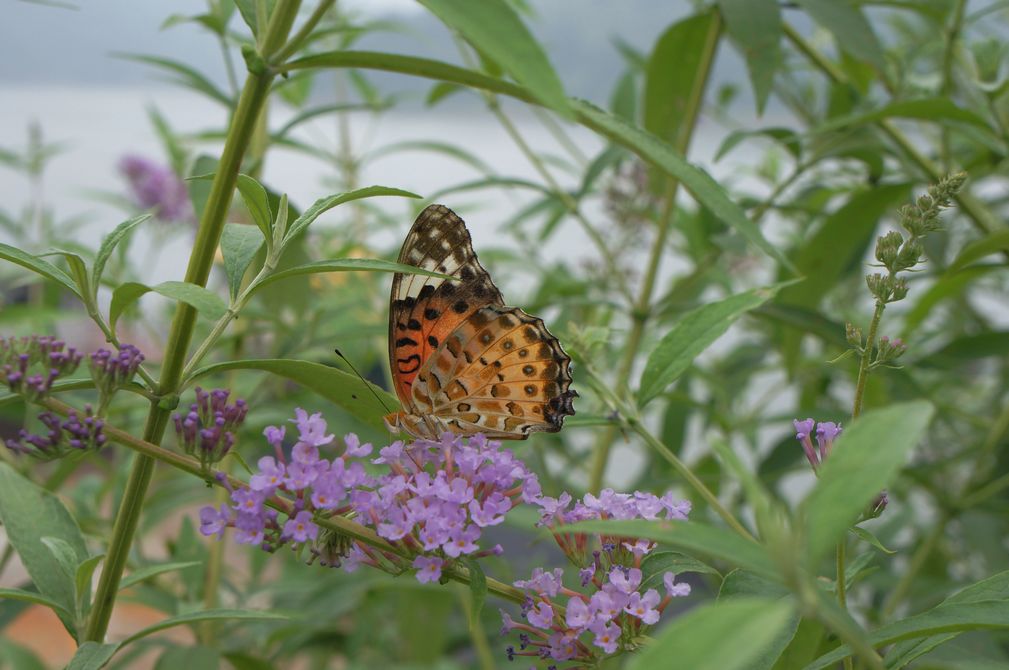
x=433 y=501
x=31 y=365
x=156 y=186
x=209 y=430
x=620 y=603
x=825 y=431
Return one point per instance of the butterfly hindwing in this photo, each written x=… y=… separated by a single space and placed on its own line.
x=460 y=359
x=500 y=371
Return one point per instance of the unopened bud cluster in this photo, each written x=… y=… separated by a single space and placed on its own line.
x=32 y=364
x=111 y=372
x=208 y=430
x=76 y=434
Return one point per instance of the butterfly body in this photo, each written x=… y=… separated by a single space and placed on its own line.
x=461 y=360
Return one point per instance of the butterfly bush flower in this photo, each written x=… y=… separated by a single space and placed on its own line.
x=31 y=365
x=620 y=595
x=208 y=430
x=433 y=501
x=826 y=432
x=156 y=186
x=76 y=434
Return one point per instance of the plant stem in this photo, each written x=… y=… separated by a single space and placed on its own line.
x=863 y=366
x=842 y=596
x=946 y=89
x=641 y=310
x=250 y=104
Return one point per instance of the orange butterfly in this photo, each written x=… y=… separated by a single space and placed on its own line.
x=461 y=361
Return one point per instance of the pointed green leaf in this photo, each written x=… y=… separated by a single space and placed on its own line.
x=924 y=109
x=862 y=462
x=82 y=579
x=477 y=590
x=346 y=390
x=350 y=265
x=755 y=28
x=997 y=242
x=692 y=537
x=851 y=30
x=149 y=571
x=693 y=334
x=206 y=615
x=109 y=245
x=38 y=266
x=36 y=598
x=676 y=77
x=239 y=245
x=78 y=269
x=719 y=636
x=323 y=204
x=92 y=656
x=257 y=202
x=203 y=300
x=495 y=29
x=29 y=514
x=867 y=536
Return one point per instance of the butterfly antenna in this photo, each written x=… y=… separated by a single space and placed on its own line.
x=366 y=383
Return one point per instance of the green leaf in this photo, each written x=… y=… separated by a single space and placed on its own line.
x=82 y=580
x=108 y=246
x=239 y=245
x=29 y=514
x=927 y=109
x=866 y=536
x=346 y=390
x=649 y=147
x=719 y=636
x=676 y=75
x=38 y=266
x=755 y=28
x=349 y=265
x=13 y=655
x=92 y=656
x=997 y=242
x=699 y=183
x=863 y=460
x=149 y=571
x=197 y=657
x=206 y=615
x=494 y=29
x=995 y=587
x=477 y=591
x=204 y=301
x=36 y=598
x=852 y=32
x=184 y=75
x=946 y=618
x=693 y=334
x=966 y=349
x=323 y=204
x=744 y=584
x=693 y=538
x=78 y=270
x=657 y=563
x=63 y=553
x=257 y=202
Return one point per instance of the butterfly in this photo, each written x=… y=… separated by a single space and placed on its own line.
x=461 y=360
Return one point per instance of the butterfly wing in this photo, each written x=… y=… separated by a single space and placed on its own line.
x=423 y=311
x=461 y=359
x=501 y=373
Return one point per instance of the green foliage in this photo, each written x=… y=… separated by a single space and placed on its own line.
x=769 y=270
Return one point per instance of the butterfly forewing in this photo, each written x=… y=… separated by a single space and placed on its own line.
x=460 y=358
x=424 y=310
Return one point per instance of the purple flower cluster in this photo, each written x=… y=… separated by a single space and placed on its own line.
x=620 y=605
x=20 y=355
x=434 y=501
x=618 y=610
x=111 y=372
x=826 y=433
x=77 y=433
x=156 y=186
x=208 y=429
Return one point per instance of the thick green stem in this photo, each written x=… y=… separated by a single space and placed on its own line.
x=842 y=588
x=641 y=310
x=250 y=104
